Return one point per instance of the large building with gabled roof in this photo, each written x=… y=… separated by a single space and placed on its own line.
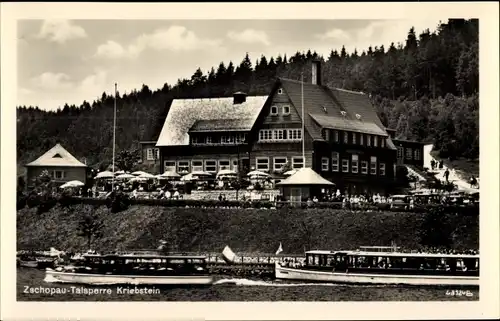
x=61 y=165
x=344 y=139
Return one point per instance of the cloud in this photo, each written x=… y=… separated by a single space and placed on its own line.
x=60 y=31
x=95 y=83
x=111 y=49
x=52 y=81
x=249 y=36
x=336 y=33
x=174 y=38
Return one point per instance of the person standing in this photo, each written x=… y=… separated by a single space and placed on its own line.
x=447 y=175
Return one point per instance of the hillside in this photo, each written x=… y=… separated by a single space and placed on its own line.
x=245 y=230
x=426 y=88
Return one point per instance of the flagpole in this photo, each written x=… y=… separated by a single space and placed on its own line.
x=114 y=142
x=303 y=131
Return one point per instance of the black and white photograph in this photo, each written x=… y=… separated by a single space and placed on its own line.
x=248 y=160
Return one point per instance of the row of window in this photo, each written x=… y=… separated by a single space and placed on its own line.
x=228 y=139
x=213 y=166
x=353 y=138
x=152 y=154
x=208 y=165
x=283 y=135
x=410 y=154
x=354 y=165
x=263 y=163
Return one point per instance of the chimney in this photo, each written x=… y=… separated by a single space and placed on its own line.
x=239 y=97
x=316 y=72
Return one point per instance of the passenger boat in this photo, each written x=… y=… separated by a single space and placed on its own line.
x=383 y=265
x=98 y=269
x=36 y=260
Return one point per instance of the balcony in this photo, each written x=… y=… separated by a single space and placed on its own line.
x=279 y=141
x=218 y=144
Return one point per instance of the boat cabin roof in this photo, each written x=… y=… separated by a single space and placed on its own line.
x=143 y=256
x=395 y=254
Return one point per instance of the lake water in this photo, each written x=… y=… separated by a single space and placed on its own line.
x=231 y=289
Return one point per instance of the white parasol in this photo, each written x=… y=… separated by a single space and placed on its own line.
x=125 y=176
x=138 y=179
x=105 y=174
x=290 y=172
x=201 y=173
x=169 y=174
x=226 y=172
x=257 y=174
x=189 y=177
x=72 y=184
x=146 y=175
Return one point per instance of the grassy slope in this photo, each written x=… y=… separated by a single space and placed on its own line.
x=141 y=227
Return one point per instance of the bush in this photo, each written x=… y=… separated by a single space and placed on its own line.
x=118 y=202
x=46 y=203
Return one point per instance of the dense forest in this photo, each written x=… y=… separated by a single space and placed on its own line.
x=426 y=88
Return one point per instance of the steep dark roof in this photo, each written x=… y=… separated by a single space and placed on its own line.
x=341 y=109
x=205 y=125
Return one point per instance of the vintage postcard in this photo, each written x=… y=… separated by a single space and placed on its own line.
x=232 y=160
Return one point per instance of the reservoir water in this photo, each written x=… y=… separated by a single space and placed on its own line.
x=31 y=286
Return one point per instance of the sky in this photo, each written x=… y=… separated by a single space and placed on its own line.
x=69 y=61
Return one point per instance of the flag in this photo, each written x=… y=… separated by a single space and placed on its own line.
x=228 y=255
x=280 y=249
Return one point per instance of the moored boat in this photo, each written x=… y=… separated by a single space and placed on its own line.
x=382 y=266
x=36 y=260
x=134 y=269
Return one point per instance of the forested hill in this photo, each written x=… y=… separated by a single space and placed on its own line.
x=426 y=88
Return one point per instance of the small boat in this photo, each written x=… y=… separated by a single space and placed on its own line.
x=36 y=260
x=28 y=263
x=98 y=269
x=381 y=265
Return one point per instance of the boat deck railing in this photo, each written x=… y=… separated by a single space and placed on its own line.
x=216 y=258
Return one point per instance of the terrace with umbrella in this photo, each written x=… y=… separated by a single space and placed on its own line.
x=303 y=185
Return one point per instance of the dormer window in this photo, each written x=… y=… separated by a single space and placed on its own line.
x=57 y=156
x=358 y=116
x=280 y=91
x=274 y=110
x=343 y=113
x=326 y=134
x=286 y=110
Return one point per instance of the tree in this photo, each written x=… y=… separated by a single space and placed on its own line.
x=90 y=227
x=127 y=159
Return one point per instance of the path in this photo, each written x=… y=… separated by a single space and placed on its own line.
x=459 y=182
